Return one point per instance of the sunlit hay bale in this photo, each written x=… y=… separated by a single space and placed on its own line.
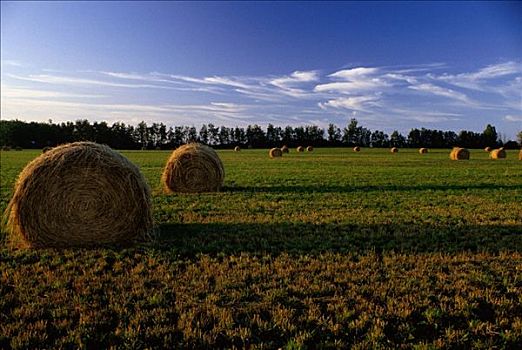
x=46 y=149
x=193 y=168
x=487 y=149
x=285 y=149
x=309 y=149
x=423 y=150
x=459 y=154
x=79 y=194
x=237 y=149
x=498 y=154
x=275 y=152
x=300 y=149
x=394 y=150
x=357 y=149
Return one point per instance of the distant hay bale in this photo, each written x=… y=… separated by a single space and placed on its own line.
x=357 y=149
x=79 y=194
x=309 y=149
x=193 y=168
x=275 y=152
x=487 y=149
x=423 y=150
x=18 y=148
x=46 y=149
x=300 y=149
x=498 y=154
x=157 y=148
x=285 y=149
x=459 y=154
x=6 y=148
x=237 y=149
x=394 y=150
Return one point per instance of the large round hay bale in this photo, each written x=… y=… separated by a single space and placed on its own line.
x=237 y=149
x=46 y=149
x=80 y=194
x=459 y=153
x=357 y=149
x=193 y=168
x=310 y=149
x=275 y=152
x=423 y=150
x=300 y=149
x=394 y=150
x=487 y=149
x=285 y=149
x=498 y=154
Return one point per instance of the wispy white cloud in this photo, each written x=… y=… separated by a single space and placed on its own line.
x=513 y=118
x=440 y=91
x=11 y=63
x=358 y=103
x=353 y=81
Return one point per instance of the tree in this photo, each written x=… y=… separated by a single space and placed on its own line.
x=489 y=136
x=519 y=137
x=334 y=134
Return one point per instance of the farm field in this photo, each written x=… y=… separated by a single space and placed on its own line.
x=323 y=249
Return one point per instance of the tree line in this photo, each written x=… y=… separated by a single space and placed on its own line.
x=16 y=133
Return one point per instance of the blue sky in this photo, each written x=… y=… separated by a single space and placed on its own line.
x=391 y=65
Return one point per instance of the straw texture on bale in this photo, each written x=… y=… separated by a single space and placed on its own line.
x=285 y=149
x=237 y=149
x=193 y=168
x=459 y=154
x=79 y=194
x=498 y=154
x=487 y=149
x=357 y=149
x=423 y=150
x=394 y=150
x=300 y=149
x=46 y=149
x=309 y=149
x=275 y=152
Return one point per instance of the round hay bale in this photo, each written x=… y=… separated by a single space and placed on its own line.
x=459 y=154
x=394 y=150
x=423 y=150
x=80 y=194
x=6 y=148
x=18 y=148
x=237 y=149
x=309 y=149
x=357 y=149
x=193 y=168
x=285 y=149
x=487 y=149
x=46 y=149
x=275 y=152
x=300 y=149
x=498 y=154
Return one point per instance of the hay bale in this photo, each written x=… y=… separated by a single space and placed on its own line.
x=423 y=150
x=6 y=148
x=394 y=150
x=498 y=154
x=309 y=149
x=285 y=149
x=18 y=148
x=237 y=149
x=79 y=194
x=300 y=149
x=459 y=154
x=357 y=149
x=487 y=149
x=46 y=149
x=193 y=168
x=275 y=152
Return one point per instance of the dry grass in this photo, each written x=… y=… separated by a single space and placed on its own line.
x=193 y=168
x=423 y=150
x=459 y=153
x=497 y=154
x=275 y=152
x=79 y=194
x=394 y=150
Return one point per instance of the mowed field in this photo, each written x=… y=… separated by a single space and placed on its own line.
x=323 y=249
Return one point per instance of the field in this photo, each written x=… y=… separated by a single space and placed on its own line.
x=329 y=249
